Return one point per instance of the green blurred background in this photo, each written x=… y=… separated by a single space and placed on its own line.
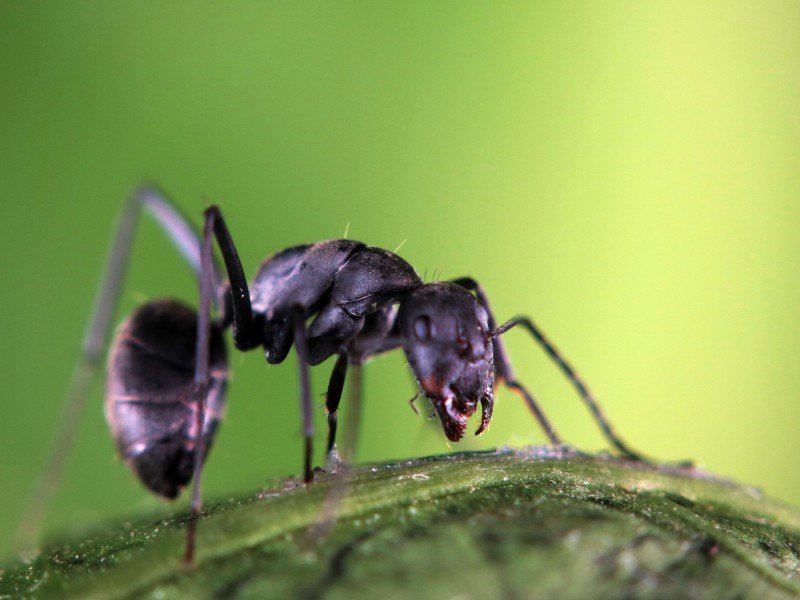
x=625 y=172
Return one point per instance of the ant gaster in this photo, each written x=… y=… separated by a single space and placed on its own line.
x=167 y=369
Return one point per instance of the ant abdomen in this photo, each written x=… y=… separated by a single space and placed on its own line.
x=151 y=395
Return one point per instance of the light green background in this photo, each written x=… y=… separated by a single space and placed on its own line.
x=625 y=172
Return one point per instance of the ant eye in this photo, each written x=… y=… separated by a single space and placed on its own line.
x=462 y=339
x=423 y=328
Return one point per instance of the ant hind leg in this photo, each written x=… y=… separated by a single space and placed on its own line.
x=186 y=242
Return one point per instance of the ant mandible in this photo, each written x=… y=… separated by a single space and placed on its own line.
x=167 y=368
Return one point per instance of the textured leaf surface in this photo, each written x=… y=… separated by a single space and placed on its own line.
x=533 y=524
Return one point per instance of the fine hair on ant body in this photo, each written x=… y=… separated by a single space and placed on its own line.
x=167 y=368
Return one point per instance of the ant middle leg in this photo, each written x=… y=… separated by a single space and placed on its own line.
x=247 y=335
x=332 y=399
x=301 y=347
x=371 y=337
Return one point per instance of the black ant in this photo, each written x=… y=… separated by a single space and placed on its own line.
x=167 y=369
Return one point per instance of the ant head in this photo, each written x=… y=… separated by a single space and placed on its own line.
x=448 y=348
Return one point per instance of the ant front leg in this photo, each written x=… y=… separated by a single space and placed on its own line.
x=570 y=373
x=503 y=366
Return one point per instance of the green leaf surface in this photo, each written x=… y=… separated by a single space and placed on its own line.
x=516 y=524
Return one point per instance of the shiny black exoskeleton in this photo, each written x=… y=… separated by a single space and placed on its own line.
x=168 y=368
x=348 y=290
